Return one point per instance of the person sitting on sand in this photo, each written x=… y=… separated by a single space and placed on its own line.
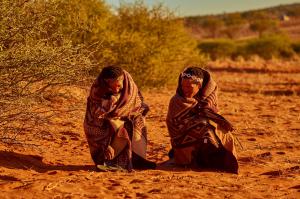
x=114 y=123
x=200 y=137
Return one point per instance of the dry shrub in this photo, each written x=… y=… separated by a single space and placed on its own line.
x=34 y=57
x=218 y=49
x=296 y=47
x=269 y=46
x=47 y=44
x=151 y=43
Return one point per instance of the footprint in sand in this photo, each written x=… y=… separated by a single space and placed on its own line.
x=136 y=181
x=72 y=135
x=8 y=178
x=246 y=159
x=291 y=170
x=154 y=191
x=265 y=155
x=52 y=172
x=114 y=183
x=142 y=195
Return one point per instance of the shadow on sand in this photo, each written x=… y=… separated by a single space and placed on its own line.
x=169 y=165
x=14 y=160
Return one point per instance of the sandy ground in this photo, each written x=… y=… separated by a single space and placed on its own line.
x=264 y=106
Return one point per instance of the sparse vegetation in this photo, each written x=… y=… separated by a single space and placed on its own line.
x=47 y=44
x=269 y=46
x=152 y=44
x=212 y=25
x=266 y=47
x=234 y=24
x=34 y=57
x=296 y=47
x=261 y=22
x=218 y=49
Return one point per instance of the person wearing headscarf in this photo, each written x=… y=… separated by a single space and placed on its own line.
x=200 y=137
x=114 y=122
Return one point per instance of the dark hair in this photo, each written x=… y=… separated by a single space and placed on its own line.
x=196 y=71
x=111 y=72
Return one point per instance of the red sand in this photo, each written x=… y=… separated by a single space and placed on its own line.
x=263 y=105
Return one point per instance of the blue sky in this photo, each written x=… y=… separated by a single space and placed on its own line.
x=203 y=7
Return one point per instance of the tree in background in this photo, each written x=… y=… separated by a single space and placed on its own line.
x=262 y=23
x=233 y=24
x=269 y=46
x=218 y=48
x=213 y=25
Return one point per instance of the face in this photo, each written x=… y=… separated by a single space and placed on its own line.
x=115 y=85
x=189 y=87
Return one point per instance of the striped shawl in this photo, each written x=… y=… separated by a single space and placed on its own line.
x=129 y=110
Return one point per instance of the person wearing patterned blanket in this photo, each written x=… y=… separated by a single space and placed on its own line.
x=200 y=137
x=114 y=122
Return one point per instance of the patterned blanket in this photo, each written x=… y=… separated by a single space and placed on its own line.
x=196 y=130
x=122 y=123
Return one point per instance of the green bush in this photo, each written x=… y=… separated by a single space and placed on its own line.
x=296 y=47
x=266 y=47
x=269 y=46
x=44 y=44
x=212 y=25
x=262 y=22
x=217 y=49
x=151 y=43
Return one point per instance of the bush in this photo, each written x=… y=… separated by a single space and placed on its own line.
x=213 y=25
x=270 y=46
x=88 y=23
x=45 y=44
x=266 y=47
x=262 y=25
x=152 y=44
x=217 y=49
x=234 y=24
x=34 y=57
x=296 y=47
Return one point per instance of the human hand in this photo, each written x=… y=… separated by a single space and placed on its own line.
x=109 y=153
